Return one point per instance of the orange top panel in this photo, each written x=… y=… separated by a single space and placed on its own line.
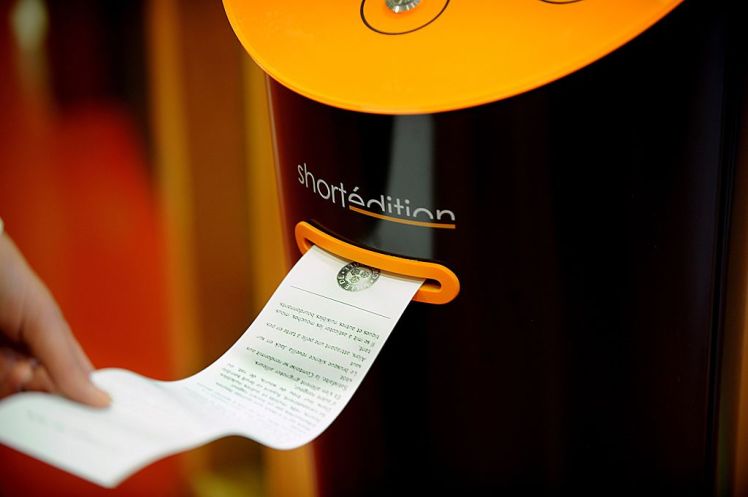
x=441 y=55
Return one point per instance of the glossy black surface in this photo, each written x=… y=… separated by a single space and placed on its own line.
x=580 y=357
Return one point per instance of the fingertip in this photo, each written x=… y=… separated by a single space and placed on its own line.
x=20 y=375
x=91 y=395
x=40 y=380
x=80 y=388
x=99 y=398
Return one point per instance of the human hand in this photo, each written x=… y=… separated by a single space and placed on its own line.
x=37 y=348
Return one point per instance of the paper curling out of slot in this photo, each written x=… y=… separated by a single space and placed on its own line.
x=441 y=286
x=282 y=383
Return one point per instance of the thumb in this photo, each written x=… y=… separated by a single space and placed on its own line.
x=50 y=340
x=32 y=320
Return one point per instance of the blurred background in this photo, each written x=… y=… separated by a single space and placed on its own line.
x=136 y=176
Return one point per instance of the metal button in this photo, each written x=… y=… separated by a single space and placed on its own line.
x=398 y=6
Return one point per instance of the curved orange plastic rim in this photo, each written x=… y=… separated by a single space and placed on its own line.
x=472 y=53
x=441 y=287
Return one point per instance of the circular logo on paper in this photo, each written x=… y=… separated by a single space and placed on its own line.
x=355 y=277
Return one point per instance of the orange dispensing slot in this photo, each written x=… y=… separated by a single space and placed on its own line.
x=441 y=285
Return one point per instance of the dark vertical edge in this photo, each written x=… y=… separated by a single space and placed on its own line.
x=730 y=263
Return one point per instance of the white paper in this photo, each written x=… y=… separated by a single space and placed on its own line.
x=282 y=383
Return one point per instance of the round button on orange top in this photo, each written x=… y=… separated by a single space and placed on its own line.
x=380 y=17
x=440 y=55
